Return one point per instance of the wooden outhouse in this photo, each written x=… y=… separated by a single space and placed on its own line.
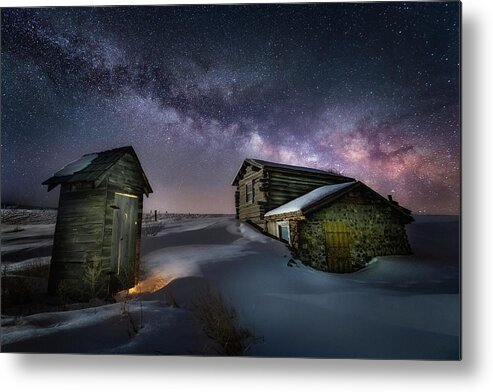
x=262 y=186
x=341 y=227
x=96 y=248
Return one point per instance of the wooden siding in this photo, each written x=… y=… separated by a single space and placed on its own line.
x=274 y=188
x=84 y=226
x=252 y=211
x=78 y=232
x=272 y=228
x=284 y=187
x=124 y=177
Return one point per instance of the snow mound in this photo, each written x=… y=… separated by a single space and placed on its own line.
x=251 y=234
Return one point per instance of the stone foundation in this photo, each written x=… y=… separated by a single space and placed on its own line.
x=373 y=230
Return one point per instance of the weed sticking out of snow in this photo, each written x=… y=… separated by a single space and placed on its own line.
x=129 y=318
x=22 y=284
x=220 y=323
x=151 y=229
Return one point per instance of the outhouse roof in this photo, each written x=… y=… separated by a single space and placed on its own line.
x=93 y=166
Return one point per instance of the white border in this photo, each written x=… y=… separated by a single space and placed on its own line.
x=474 y=373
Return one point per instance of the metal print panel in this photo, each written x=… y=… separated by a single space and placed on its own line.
x=270 y=180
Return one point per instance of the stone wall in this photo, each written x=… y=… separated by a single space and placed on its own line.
x=373 y=230
x=294 y=233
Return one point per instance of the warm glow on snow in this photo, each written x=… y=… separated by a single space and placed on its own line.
x=150 y=285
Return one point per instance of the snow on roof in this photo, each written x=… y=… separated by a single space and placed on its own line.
x=308 y=199
x=76 y=166
x=93 y=167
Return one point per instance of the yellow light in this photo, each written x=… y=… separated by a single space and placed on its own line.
x=150 y=285
x=127 y=195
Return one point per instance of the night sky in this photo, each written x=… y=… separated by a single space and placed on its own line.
x=368 y=90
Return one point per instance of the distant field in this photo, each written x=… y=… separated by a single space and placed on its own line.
x=24 y=216
x=21 y=216
x=177 y=216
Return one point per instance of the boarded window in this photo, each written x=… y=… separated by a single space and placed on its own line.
x=249 y=192
x=337 y=247
x=283 y=229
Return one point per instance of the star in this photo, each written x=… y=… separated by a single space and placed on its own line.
x=368 y=89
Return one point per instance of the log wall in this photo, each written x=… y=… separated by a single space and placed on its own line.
x=254 y=210
x=273 y=188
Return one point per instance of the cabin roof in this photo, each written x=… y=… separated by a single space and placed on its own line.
x=305 y=201
x=324 y=195
x=93 y=166
x=284 y=167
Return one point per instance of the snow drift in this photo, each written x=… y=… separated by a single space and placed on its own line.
x=399 y=307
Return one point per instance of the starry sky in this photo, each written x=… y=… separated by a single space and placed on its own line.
x=370 y=90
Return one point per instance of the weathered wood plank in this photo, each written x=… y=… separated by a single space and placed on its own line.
x=85 y=219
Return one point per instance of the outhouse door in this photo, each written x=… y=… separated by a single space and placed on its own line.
x=337 y=247
x=124 y=237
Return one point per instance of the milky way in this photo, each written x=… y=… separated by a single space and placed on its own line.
x=369 y=90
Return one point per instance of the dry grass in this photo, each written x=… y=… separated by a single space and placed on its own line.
x=220 y=323
x=69 y=291
x=17 y=290
x=93 y=277
x=132 y=327
x=151 y=229
x=21 y=288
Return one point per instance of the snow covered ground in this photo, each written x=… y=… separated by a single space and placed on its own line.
x=398 y=307
x=24 y=242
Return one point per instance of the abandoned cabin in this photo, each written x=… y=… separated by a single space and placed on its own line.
x=332 y=222
x=98 y=229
